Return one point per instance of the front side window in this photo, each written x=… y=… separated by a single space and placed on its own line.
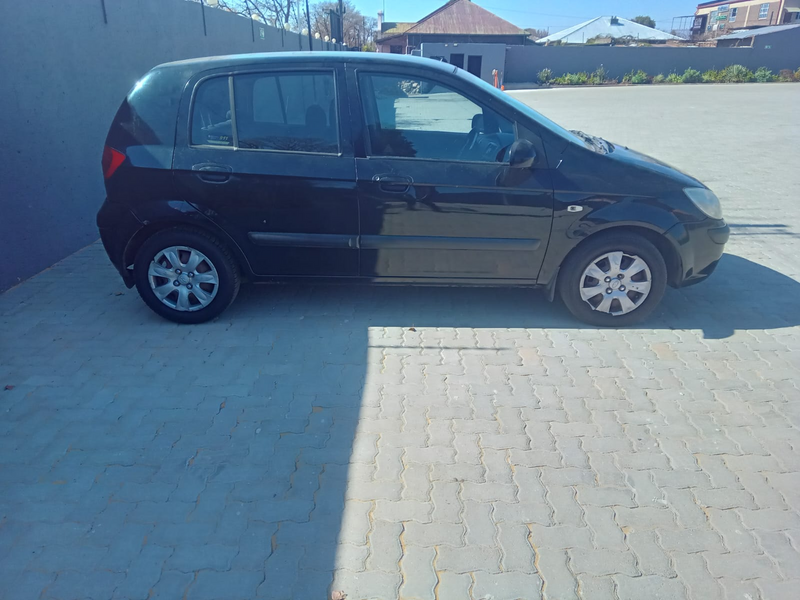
x=211 y=114
x=290 y=112
x=763 y=11
x=412 y=117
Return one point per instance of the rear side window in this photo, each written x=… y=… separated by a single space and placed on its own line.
x=290 y=112
x=211 y=115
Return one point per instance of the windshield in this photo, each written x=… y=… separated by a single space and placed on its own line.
x=523 y=108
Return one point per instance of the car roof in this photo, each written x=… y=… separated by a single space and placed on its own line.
x=195 y=65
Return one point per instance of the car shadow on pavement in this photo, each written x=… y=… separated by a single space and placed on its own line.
x=739 y=295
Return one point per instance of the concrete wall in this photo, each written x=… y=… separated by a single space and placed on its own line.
x=523 y=63
x=64 y=73
x=494 y=55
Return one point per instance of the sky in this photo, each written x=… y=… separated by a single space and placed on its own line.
x=541 y=15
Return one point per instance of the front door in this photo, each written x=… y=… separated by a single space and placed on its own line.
x=437 y=197
x=268 y=158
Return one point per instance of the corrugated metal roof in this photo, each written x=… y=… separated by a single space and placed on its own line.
x=462 y=17
x=395 y=28
x=603 y=27
x=746 y=33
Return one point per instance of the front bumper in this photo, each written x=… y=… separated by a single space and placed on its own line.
x=117 y=225
x=700 y=246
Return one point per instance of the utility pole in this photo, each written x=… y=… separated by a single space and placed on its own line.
x=308 y=24
x=341 y=22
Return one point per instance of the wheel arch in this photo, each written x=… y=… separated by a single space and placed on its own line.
x=201 y=224
x=666 y=248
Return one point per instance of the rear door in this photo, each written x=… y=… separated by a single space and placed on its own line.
x=265 y=153
x=437 y=196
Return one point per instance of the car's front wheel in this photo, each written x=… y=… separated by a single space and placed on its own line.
x=613 y=280
x=185 y=275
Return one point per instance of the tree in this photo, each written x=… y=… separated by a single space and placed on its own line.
x=646 y=21
x=537 y=34
x=359 y=31
x=271 y=12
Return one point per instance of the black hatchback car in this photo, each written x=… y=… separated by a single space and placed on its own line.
x=388 y=169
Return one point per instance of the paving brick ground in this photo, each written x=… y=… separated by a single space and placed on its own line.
x=427 y=443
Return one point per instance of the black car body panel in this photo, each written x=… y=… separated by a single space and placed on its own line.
x=349 y=211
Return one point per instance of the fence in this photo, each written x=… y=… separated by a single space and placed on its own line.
x=66 y=68
x=777 y=51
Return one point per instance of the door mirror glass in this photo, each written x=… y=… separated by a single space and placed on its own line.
x=522 y=155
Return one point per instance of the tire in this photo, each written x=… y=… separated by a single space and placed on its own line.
x=587 y=297
x=185 y=300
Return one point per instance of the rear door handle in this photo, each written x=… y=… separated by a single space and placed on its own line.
x=394 y=184
x=212 y=172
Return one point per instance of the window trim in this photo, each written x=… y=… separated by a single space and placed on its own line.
x=366 y=137
x=232 y=99
x=765 y=9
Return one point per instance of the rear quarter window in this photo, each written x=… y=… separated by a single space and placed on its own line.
x=211 y=114
x=149 y=114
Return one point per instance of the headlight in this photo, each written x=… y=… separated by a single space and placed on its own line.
x=705 y=200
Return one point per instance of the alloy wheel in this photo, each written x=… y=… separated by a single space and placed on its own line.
x=183 y=278
x=616 y=283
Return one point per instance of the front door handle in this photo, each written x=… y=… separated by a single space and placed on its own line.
x=212 y=172
x=394 y=184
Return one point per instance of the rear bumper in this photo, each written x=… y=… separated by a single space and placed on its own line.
x=700 y=246
x=117 y=225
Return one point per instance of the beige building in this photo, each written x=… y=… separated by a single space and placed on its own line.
x=716 y=18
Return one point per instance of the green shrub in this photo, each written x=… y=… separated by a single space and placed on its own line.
x=674 y=78
x=545 y=76
x=581 y=78
x=737 y=74
x=797 y=75
x=712 y=76
x=636 y=77
x=786 y=75
x=598 y=77
x=659 y=78
x=691 y=76
x=763 y=75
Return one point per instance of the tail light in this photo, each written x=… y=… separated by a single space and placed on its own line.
x=112 y=159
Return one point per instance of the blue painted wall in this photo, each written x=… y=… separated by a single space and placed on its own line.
x=64 y=73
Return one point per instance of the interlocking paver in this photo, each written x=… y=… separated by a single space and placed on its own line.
x=559 y=582
x=651 y=587
x=498 y=450
x=507 y=586
x=419 y=574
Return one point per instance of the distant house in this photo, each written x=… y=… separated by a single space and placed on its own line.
x=458 y=21
x=780 y=38
x=605 y=30
x=713 y=18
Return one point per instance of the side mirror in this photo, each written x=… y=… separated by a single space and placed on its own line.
x=522 y=155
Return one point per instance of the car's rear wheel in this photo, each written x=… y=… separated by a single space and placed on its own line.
x=613 y=280
x=186 y=276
